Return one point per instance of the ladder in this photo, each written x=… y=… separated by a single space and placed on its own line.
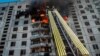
x=58 y=38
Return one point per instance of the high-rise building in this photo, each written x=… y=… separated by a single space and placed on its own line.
x=84 y=21
x=24 y=37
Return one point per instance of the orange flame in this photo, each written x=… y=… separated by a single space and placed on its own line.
x=33 y=20
x=45 y=19
x=42 y=15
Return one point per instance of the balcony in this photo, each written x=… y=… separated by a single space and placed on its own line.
x=39 y=36
x=37 y=29
x=36 y=22
x=38 y=45
x=43 y=44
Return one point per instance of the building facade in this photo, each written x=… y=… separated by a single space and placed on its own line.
x=15 y=33
x=84 y=22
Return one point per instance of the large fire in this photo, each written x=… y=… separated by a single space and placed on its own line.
x=42 y=16
x=45 y=20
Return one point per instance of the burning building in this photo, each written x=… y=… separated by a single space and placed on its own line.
x=49 y=33
x=42 y=19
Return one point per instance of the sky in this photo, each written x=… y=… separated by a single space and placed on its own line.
x=2 y=1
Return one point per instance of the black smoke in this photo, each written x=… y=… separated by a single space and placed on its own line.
x=35 y=7
x=34 y=10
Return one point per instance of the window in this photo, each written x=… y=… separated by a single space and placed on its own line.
x=27 y=6
x=16 y=22
x=14 y=36
x=5 y=28
x=99 y=29
x=73 y=11
x=7 y=22
x=19 y=6
x=79 y=33
x=23 y=52
x=95 y=46
x=78 y=29
x=1 y=47
x=10 y=12
x=82 y=41
x=72 y=8
x=15 y=28
x=91 y=11
x=24 y=35
x=76 y=23
x=90 y=6
x=6 y=25
x=4 y=35
x=3 y=8
x=0 y=18
x=26 y=22
x=24 y=43
x=98 y=54
x=80 y=37
x=84 y=17
x=9 y=17
x=80 y=6
x=94 y=16
x=74 y=16
x=11 y=52
x=26 y=16
x=3 y=39
x=4 y=31
x=77 y=26
x=82 y=11
x=13 y=43
x=92 y=38
x=1 y=13
x=2 y=43
x=78 y=1
x=89 y=30
x=11 y=7
x=1 y=51
x=18 y=11
x=87 y=23
x=25 y=28
x=75 y=20
x=87 y=1
x=97 y=22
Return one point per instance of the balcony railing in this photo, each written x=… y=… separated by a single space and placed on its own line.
x=33 y=45
x=39 y=44
x=41 y=28
x=37 y=22
x=39 y=36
